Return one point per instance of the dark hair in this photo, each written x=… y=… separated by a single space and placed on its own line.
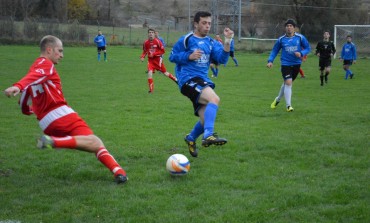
x=200 y=14
x=290 y=21
x=151 y=29
x=46 y=41
x=349 y=36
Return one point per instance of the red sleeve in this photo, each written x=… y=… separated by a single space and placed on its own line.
x=145 y=51
x=37 y=74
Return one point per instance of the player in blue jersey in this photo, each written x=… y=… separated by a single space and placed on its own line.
x=192 y=55
x=156 y=33
x=348 y=56
x=101 y=45
x=294 y=46
x=232 y=53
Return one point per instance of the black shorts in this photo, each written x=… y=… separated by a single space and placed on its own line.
x=193 y=88
x=347 y=62
x=324 y=62
x=101 y=48
x=232 y=53
x=290 y=72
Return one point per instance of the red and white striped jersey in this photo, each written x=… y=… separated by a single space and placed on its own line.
x=42 y=86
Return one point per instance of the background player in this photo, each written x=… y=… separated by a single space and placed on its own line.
x=192 y=54
x=348 y=56
x=101 y=45
x=325 y=49
x=61 y=124
x=293 y=46
x=153 y=47
x=214 y=64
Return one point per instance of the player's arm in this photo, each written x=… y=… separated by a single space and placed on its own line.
x=275 y=50
x=306 y=47
x=144 y=53
x=318 y=46
x=179 y=54
x=229 y=35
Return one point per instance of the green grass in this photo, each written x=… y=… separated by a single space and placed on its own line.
x=311 y=165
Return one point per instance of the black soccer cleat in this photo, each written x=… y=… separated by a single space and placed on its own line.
x=213 y=140
x=192 y=146
x=121 y=179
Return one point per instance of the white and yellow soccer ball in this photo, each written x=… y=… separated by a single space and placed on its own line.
x=178 y=165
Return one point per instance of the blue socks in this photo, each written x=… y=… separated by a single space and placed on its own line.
x=348 y=72
x=209 y=119
x=197 y=131
x=235 y=61
x=98 y=56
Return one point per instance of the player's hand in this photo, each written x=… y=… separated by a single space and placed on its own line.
x=12 y=91
x=297 y=54
x=318 y=54
x=269 y=65
x=354 y=62
x=142 y=59
x=197 y=54
x=228 y=33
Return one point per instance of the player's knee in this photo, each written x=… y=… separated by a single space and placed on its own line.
x=94 y=143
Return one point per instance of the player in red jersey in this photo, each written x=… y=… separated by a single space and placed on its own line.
x=153 y=47
x=62 y=126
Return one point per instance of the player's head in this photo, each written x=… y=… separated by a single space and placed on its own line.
x=290 y=25
x=51 y=48
x=156 y=33
x=326 y=35
x=151 y=33
x=202 y=23
x=349 y=38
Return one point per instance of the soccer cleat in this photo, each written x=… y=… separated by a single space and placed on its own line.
x=213 y=140
x=274 y=103
x=45 y=142
x=192 y=146
x=289 y=109
x=121 y=179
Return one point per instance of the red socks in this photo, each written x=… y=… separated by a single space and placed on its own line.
x=108 y=160
x=151 y=84
x=64 y=142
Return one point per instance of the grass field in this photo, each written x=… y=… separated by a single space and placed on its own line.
x=311 y=165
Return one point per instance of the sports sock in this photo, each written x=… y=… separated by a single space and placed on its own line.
x=348 y=72
x=151 y=84
x=213 y=71
x=172 y=77
x=322 y=79
x=210 y=114
x=235 y=61
x=105 y=56
x=326 y=76
x=108 y=160
x=301 y=72
x=288 y=94
x=98 y=56
x=68 y=142
x=197 y=130
x=281 y=92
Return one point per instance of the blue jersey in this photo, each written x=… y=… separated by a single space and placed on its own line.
x=349 y=51
x=290 y=45
x=187 y=69
x=100 y=40
x=162 y=40
x=232 y=45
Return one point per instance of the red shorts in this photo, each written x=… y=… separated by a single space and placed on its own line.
x=69 y=125
x=156 y=64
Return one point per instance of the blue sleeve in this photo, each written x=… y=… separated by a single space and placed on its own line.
x=342 y=53
x=179 y=54
x=354 y=52
x=219 y=54
x=306 y=47
x=275 y=51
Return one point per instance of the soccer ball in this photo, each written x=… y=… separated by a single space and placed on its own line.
x=178 y=165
